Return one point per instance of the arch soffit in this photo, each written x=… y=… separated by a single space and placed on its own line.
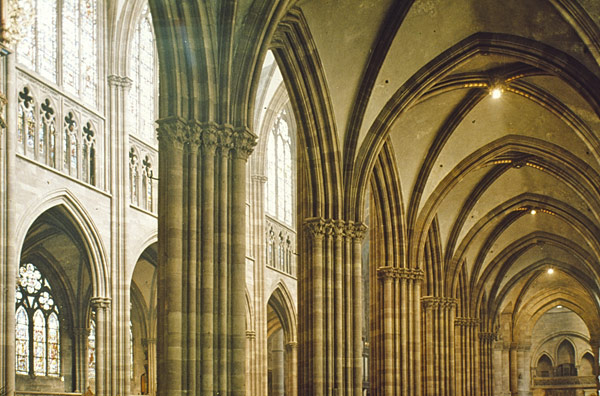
x=123 y=19
x=525 y=50
x=84 y=224
x=282 y=302
x=297 y=56
x=147 y=243
x=540 y=355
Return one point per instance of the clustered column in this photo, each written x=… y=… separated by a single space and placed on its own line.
x=330 y=309
x=466 y=333
x=201 y=274
x=101 y=306
x=395 y=331
x=486 y=341
x=438 y=345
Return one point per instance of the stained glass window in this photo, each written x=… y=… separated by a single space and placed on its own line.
x=22 y=343
x=91 y=350
x=38 y=50
x=37 y=324
x=142 y=72
x=39 y=343
x=280 y=179
x=53 y=345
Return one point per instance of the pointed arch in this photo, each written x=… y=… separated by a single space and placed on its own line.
x=83 y=223
x=282 y=302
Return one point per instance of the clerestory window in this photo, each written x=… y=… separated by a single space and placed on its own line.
x=280 y=177
x=75 y=67
x=143 y=72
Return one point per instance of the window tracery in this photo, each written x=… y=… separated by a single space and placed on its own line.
x=37 y=325
x=280 y=178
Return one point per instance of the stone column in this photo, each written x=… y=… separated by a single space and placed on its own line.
x=151 y=345
x=330 y=305
x=595 y=345
x=438 y=345
x=486 y=340
x=101 y=306
x=258 y=355
x=80 y=335
x=513 y=369
x=278 y=368
x=201 y=339
x=121 y=304
x=395 y=346
x=466 y=371
x=8 y=248
x=252 y=377
x=291 y=366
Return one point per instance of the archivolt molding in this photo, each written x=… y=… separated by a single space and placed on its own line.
x=94 y=248
x=297 y=56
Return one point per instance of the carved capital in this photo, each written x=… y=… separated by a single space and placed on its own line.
x=243 y=142
x=173 y=130
x=467 y=322
x=119 y=81
x=316 y=226
x=225 y=139
x=356 y=230
x=100 y=302
x=259 y=178
x=435 y=302
x=290 y=346
x=400 y=273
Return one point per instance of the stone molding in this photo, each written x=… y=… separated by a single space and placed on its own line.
x=319 y=227
x=259 y=178
x=439 y=302
x=400 y=273
x=291 y=345
x=467 y=322
x=119 y=81
x=100 y=302
x=250 y=334
x=209 y=136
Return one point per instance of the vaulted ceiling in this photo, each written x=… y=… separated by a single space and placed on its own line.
x=413 y=81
